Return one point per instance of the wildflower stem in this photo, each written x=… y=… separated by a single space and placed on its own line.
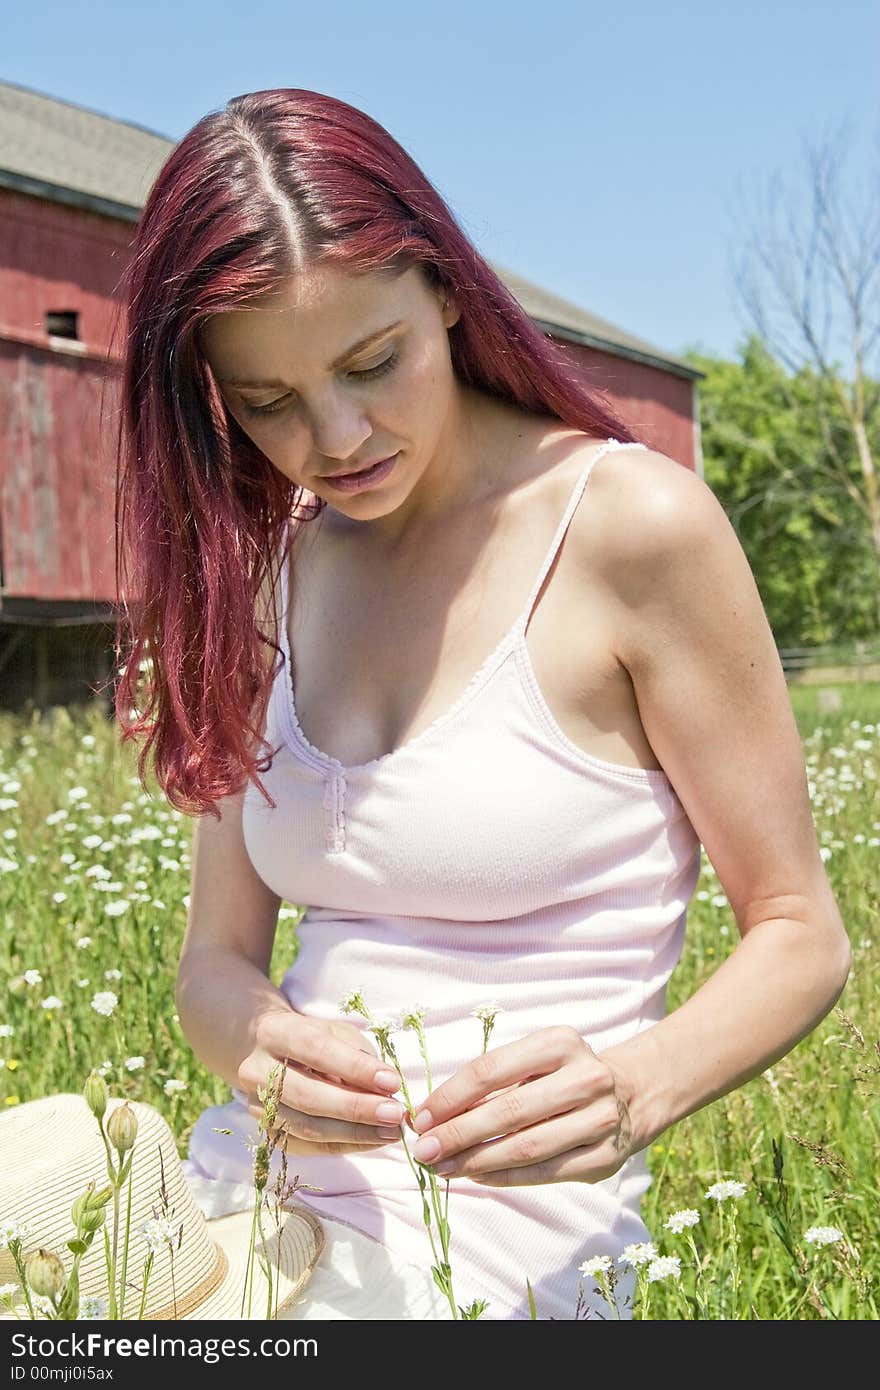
x=699 y=1291
x=148 y=1265
x=114 y=1310
x=15 y=1247
x=124 y=1272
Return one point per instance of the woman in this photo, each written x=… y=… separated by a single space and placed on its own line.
x=322 y=371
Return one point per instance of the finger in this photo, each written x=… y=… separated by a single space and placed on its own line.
x=515 y=1112
x=537 y=1145
x=318 y=1131
x=535 y=1055
x=578 y=1165
x=309 y=1092
x=321 y=1050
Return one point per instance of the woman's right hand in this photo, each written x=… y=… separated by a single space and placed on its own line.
x=330 y=1092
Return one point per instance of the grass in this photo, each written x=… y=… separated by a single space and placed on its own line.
x=94 y=878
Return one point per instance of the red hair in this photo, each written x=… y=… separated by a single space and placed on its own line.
x=276 y=182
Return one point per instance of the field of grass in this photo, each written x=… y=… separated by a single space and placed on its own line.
x=94 y=878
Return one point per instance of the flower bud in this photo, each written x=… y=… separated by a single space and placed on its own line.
x=122 y=1128
x=96 y=1094
x=45 y=1273
x=17 y=985
x=87 y=1212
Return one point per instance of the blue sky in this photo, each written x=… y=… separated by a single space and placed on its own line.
x=612 y=153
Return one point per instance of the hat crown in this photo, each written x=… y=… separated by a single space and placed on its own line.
x=51 y=1150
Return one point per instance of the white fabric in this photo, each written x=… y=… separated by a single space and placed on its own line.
x=355 y=1279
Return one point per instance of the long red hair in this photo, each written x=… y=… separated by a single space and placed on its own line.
x=275 y=182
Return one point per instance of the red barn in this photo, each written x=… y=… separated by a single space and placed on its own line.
x=72 y=183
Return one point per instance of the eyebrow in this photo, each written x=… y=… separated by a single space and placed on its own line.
x=356 y=347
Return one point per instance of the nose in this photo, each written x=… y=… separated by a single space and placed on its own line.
x=339 y=427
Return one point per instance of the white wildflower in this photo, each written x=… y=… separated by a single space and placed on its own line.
x=134 y=1063
x=172 y=1086
x=13 y=1230
x=8 y=1290
x=83 y=942
x=823 y=1235
x=77 y=794
x=638 y=1254
x=92 y=841
x=384 y=1024
x=52 y=1002
x=105 y=1066
x=6 y=1030
x=486 y=1013
x=157 y=1232
x=88 y=740
x=93 y=1308
x=55 y=816
x=59 y=897
x=112 y=974
x=664 y=1267
x=414 y=1018
x=720 y=1191
x=104 y=1002
x=42 y=1303
x=599 y=1264
x=353 y=1003
x=116 y=909
x=82 y=984
x=33 y=977
x=679 y=1219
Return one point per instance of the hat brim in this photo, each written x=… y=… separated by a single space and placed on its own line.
x=291 y=1253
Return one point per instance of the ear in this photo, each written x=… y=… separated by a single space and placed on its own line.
x=450 y=310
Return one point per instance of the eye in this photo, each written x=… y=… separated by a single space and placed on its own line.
x=383 y=367
x=370 y=373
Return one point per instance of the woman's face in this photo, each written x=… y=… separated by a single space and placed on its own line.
x=318 y=399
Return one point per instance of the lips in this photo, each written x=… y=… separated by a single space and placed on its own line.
x=363 y=468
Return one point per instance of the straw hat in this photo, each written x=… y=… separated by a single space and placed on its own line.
x=51 y=1149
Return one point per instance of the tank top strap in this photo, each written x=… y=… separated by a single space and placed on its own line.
x=522 y=621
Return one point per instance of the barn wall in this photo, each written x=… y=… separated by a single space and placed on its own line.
x=53 y=256
x=58 y=417
x=657 y=405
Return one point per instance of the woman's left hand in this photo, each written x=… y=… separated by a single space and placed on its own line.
x=564 y=1118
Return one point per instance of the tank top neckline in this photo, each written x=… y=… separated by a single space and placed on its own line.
x=513 y=641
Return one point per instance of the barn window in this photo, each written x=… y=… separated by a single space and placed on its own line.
x=62 y=323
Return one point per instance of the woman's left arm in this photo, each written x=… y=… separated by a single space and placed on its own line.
x=716 y=709
x=715 y=706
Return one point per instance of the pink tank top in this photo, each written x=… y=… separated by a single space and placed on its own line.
x=487 y=860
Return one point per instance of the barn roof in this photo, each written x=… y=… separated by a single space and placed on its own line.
x=55 y=149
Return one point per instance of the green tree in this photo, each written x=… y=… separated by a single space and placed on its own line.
x=772 y=445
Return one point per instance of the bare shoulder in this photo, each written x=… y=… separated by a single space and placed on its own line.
x=647 y=501
x=653 y=533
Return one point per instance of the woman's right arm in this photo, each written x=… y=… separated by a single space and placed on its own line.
x=240 y=1025
x=223 y=974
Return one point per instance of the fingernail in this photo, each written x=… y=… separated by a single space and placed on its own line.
x=426 y=1149
x=424 y=1120
x=390 y=1111
x=387 y=1079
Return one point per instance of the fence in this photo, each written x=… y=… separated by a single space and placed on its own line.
x=836 y=663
